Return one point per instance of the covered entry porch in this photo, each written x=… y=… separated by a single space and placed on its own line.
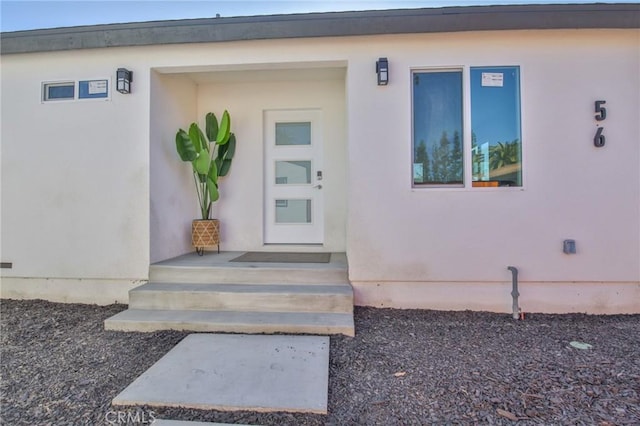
x=286 y=189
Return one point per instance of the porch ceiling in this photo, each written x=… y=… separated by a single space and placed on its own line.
x=298 y=71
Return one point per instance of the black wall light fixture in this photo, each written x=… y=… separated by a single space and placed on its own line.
x=382 y=68
x=124 y=77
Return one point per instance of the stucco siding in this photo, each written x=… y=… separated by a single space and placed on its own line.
x=75 y=175
x=172 y=204
x=97 y=178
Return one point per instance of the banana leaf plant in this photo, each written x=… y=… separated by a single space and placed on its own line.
x=210 y=154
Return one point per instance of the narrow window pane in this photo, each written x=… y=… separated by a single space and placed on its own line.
x=293 y=133
x=88 y=89
x=293 y=211
x=58 y=91
x=437 y=128
x=496 y=147
x=293 y=172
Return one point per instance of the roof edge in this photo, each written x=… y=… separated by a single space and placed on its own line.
x=328 y=24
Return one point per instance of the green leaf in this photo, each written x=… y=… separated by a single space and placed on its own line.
x=213 y=172
x=225 y=155
x=211 y=127
x=213 y=190
x=224 y=168
x=205 y=143
x=223 y=130
x=184 y=146
x=222 y=149
x=194 y=135
x=231 y=150
x=201 y=164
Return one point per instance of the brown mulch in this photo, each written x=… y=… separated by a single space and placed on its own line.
x=59 y=366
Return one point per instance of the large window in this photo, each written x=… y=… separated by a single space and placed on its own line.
x=495 y=126
x=437 y=128
x=493 y=150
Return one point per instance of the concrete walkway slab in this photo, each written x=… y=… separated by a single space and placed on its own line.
x=237 y=372
x=161 y=422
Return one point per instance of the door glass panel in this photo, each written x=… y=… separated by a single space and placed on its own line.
x=293 y=172
x=293 y=211
x=293 y=133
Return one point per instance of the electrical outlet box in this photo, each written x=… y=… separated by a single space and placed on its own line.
x=569 y=246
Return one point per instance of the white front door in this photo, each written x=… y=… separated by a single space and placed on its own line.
x=294 y=211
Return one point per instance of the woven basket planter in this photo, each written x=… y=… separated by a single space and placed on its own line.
x=205 y=234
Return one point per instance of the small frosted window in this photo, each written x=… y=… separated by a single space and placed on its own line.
x=293 y=133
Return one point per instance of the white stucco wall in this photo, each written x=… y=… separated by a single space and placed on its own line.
x=172 y=203
x=425 y=247
x=429 y=248
x=75 y=185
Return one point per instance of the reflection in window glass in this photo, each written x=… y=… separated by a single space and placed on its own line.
x=293 y=172
x=293 y=211
x=437 y=127
x=293 y=133
x=495 y=122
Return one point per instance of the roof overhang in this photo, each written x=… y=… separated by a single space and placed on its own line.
x=333 y=24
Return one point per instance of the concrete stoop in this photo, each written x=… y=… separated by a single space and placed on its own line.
x=192 y=294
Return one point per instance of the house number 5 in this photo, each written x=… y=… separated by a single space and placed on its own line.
x=601 y=115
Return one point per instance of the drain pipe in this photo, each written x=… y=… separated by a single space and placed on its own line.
x=514 y=291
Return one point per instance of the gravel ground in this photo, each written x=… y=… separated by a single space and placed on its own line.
x=60 y=367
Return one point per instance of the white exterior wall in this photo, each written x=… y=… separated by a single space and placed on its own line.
x=406 y=247
x=173 y=206
x=449 y=248
x=75 y=181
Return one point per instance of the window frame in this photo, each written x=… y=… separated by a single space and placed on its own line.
x=94 y=98
x=76 y=90
x=60 y=83
x=466 y=129
x=463 y=129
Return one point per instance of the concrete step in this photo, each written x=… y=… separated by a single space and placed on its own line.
x=147 y=320
x=244 y=297
x=263 y=274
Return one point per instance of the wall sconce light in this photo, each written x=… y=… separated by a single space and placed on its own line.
x=382 y=68
x=124 y=77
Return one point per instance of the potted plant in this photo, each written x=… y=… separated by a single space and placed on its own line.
x=210 y=154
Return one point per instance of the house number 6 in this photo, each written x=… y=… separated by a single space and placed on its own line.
x=601 y=115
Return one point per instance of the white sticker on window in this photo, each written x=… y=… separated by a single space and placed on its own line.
x=97 y=86
x=492 y=79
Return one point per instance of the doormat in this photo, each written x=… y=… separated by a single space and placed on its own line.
x=283 y=257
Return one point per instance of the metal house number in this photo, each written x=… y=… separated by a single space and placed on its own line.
x=601 y=115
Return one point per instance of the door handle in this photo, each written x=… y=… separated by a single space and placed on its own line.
x=318 y=186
